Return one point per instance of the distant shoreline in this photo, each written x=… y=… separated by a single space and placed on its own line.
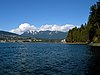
x=85 y=43
x=90 y=44
x=76 y=43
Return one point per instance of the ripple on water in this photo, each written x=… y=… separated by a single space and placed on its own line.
x=43 y=59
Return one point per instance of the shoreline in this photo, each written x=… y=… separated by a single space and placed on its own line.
x=85 y=43
x=94 y=44
x=90 y=44
x=76 y=43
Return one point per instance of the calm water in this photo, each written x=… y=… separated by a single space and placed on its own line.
x=48 y=59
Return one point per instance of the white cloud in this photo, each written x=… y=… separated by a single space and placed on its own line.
x=27 y=27
x=17 y=31
x=45 y=27
x=23 y=27
x=55 y=27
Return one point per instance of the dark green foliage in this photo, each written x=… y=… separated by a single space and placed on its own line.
x=94 y=23
x=78 y=34
x=89 y=32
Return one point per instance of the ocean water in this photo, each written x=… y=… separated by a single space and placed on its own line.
x=48 y=59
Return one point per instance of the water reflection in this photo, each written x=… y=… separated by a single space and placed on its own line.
x=94 y=64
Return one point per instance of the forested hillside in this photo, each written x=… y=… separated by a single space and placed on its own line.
x=90 y=31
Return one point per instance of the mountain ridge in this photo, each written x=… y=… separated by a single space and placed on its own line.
x=7 y=33
x=45 y=34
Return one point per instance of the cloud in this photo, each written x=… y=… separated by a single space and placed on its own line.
x=28 y=27
x=55 y=27
x=23 y=28
x=45 y=27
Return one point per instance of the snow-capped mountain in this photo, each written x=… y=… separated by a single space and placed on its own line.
x=46 y=34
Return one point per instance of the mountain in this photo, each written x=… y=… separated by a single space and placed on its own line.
x=33 y=36
x=46 y=34
x=8 y=36
x=7 y=33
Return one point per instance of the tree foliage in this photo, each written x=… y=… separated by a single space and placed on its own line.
x=89 y=32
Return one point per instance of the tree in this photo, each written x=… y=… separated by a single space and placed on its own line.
x=89 y=31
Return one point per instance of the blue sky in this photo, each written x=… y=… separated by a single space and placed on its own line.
x=40 y=12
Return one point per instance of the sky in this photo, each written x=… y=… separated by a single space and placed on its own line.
x=21 y=15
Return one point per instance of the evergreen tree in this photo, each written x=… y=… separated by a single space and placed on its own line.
x=90 y=31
